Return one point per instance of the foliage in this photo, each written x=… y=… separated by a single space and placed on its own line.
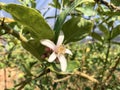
x=95 y=63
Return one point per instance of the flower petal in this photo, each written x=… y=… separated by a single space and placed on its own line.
x=60 y=40
x=68 y=51
x=52 y=57
x=63 y=62
x=48 y=43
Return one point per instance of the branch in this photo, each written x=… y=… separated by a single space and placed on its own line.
x=87 y=77
x=80 y=74
x=11 y=31
x=109 y=5
x=63 y=79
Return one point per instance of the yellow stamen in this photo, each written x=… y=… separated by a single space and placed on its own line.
x=61 y=49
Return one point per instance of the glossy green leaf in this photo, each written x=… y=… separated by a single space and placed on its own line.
x=87 y=9
x=104 y=29
x=96 y=36
x=55 y=67
x=115 y=32
x=34 y=47
x=76 y=28
x=61 y=18
x=71 y=67
x=31 y=19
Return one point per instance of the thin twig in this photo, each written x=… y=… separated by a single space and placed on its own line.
x=80 y=74
x=109 y=5
x=87 y=77
x=63 y=79
x=12 y=31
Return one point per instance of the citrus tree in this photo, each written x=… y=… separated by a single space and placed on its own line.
x=81 y=51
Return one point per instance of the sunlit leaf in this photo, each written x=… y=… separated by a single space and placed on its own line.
x=31 y=19
x=115 y=32
x=71 y=67
x=105 y=31
x=61 y=18
x=87 y=9
x=76 y=28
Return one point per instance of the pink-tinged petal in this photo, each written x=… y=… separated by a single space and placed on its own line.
x=60 y=40
x=48 y=43
x=52 y=57
x=68 y=51
x=63 y=62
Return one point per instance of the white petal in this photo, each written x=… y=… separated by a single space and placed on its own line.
x=52 y=57
x=63 y=62
x=68 y=51
x=60 y=40
x=48 y=43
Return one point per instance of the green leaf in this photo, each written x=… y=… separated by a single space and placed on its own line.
x=76 y=28
x=87 y=9
x=26 y=69
x=34 y=47
x=55 y=4
x=104 y=30
x=61 y=18
x=87 y=88
x=109 y=13
x=96 y=36
x=117 y=43
x=115 y=2
x=115 y=32
x=72 y=66
x=1 y=31
x=31 y=19
x=66 y=2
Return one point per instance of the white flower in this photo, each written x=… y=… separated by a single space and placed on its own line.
x=58 y=51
